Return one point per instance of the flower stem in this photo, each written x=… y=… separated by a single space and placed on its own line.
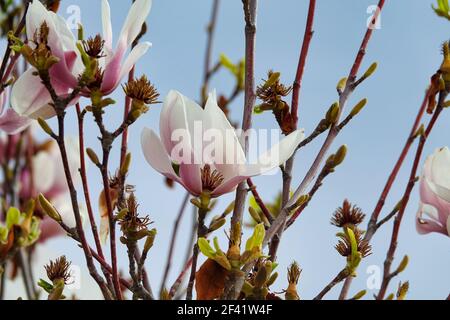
x=202 y=230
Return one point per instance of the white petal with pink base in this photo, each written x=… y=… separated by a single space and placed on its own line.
x=217 y=176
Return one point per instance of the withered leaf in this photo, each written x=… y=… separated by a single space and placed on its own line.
x=210 y=280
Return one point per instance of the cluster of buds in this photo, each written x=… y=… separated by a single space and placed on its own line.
x=256 y=287
x=40 y=56
x=134 y=227
x=142 y=93
x=21 y=229
x=440 y=81
x=58 y=272
x=352 y=244
x=233 y=260
x=272 y=93
x=443 y=9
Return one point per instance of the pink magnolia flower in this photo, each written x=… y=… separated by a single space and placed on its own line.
x=113 y=63
x=434 y=208
x=29 y=97
x=10 y=121
x=198 y=164
x=49 y=179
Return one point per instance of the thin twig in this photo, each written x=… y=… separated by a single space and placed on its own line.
x=259 y=201
x=387 y=275
x=250 y=8
x=207 y=71
x=339 y=278
x=173 y=241
x=280 y=220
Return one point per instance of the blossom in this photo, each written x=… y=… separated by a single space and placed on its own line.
x=29 y=97
x=10 y=121
x=113 y=62
x=216 y=172
x=435 y=194
x=50 y=180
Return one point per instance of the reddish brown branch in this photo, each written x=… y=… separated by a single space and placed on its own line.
x=302 y=60
x=259 y=201
x=387 y=275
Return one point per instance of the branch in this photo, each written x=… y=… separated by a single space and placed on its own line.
x=250 y=8
x=280 y=220
x=387 y=275
x=173 y=241
x=339 y=278
x=208 y=71
x=302 y=59
x=259 y=201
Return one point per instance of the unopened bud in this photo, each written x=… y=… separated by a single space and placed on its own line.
x=217 y=224
x=93 y=156
x=341 y=84
x=44 y=125
x=370 y=71
x=333 y=113
x=357 y=109
x=359 y=295
x=126 y=165
x=339 y=157
x=402 y=266
x=49 y=209
x=254 y=214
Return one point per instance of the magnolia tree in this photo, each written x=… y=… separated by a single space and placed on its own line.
x=49 y=72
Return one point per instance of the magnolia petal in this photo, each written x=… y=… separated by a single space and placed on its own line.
x=216 y=124
x=107 y=27
x=448 y=225
x=429 y=196
x=156 y=155
x=111 y=76
x=44 y=173
x=133 y=57
x=425 y=226
x=228 y=186
x=190 y=175
x=12 y=123
x=440 y=168
x=49 y=229
x=177 y=120
x=137 y=15
x=29 y=96
x=35 y=16
x=277 y=155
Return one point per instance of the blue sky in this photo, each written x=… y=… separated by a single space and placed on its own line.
x=407 y=49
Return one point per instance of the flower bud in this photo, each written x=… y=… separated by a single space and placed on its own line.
x=254 y=214
x=359 y=295
x=93 y=156
x=126 y=165
x=339 y=157
x=403 y=264
x=333 y=113
x=341 y=85
x=370 y=71
x=357 y=109
x=44 y=125
x=49 y=209
x=217 y=224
